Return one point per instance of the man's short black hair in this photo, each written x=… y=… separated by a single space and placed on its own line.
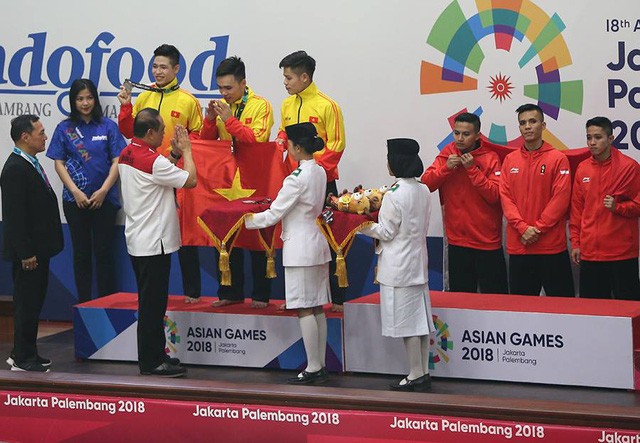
x=530 y=107
x=601 y=122
x=467 y=117
x=169 y=51
x=145 y=120
x=232 y=66
x=299 y=62
x=22 y=123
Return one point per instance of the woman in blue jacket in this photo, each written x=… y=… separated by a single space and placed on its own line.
x=86 y=147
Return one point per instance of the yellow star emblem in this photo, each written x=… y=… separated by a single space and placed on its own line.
x=235 y=191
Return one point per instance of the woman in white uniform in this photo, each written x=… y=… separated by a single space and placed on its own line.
x=403 y=273
x=305 y=252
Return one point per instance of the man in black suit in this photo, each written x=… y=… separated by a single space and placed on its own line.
x=32 y=235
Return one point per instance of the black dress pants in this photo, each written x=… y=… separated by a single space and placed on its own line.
x=190 y=269
x=261 y=284
x=92 y=234
x=152 y=276
x=610 y=279
x=528 y=274
x=29 y=291
x=338 y=294
x=472 y=269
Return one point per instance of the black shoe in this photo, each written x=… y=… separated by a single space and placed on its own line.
x=171 y=360
x=420 y=384
x=31 y=366
x=305 y=377
x=166 y=370
x=40 y=360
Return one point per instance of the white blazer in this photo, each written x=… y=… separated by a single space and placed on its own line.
x=298 y=204
x=402 y=228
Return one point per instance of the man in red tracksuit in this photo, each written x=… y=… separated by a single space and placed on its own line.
x=604 y=218
x=535 y=189
x=467 y=174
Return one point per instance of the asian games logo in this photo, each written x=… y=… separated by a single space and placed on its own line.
x=521 y=61
x=440 y=344
x=171 y=332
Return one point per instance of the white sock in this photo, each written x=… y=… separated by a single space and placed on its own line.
x=425 y=345
x=321 y=321
x=412 y=345
x=309 y=329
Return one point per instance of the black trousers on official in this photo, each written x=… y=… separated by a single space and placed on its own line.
x=261 y=284
x=152 y=276
x=29 y=291
x=610 y=279
x=92 y=233
x=472 y=269
x=528 y=274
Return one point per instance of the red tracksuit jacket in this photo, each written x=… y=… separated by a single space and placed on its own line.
x=535 y=189
x=602 y=235
x=470 y=198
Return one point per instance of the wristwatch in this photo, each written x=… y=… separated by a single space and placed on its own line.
x=176 y=156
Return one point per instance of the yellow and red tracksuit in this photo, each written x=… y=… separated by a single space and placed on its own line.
x=253 y=125
x=601 y=234
x=471 y=198
x=313 y=106
x=176 y=106
x=535 y=190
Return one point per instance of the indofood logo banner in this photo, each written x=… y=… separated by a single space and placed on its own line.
x=39 y=74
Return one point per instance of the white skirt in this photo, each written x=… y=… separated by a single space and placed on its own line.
x=406 y=312
x=306 y=286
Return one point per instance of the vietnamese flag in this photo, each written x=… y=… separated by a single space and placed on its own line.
x=262 y=168
x=253 y=170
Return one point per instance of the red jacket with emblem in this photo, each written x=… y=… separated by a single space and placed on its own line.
x=470 y=198
x=601 y=234
x=535 y=190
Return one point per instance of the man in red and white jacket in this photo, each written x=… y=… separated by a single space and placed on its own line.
x=467 y=174
x=152 y=231
x=535 y=190
x=604 y=218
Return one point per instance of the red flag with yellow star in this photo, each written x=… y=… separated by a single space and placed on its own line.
x=253 y=170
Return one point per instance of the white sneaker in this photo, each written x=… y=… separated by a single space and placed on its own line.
x=40 y=360
x=29 y=367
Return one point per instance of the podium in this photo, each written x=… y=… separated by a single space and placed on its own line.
x=235 y=335
x=563 y=341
